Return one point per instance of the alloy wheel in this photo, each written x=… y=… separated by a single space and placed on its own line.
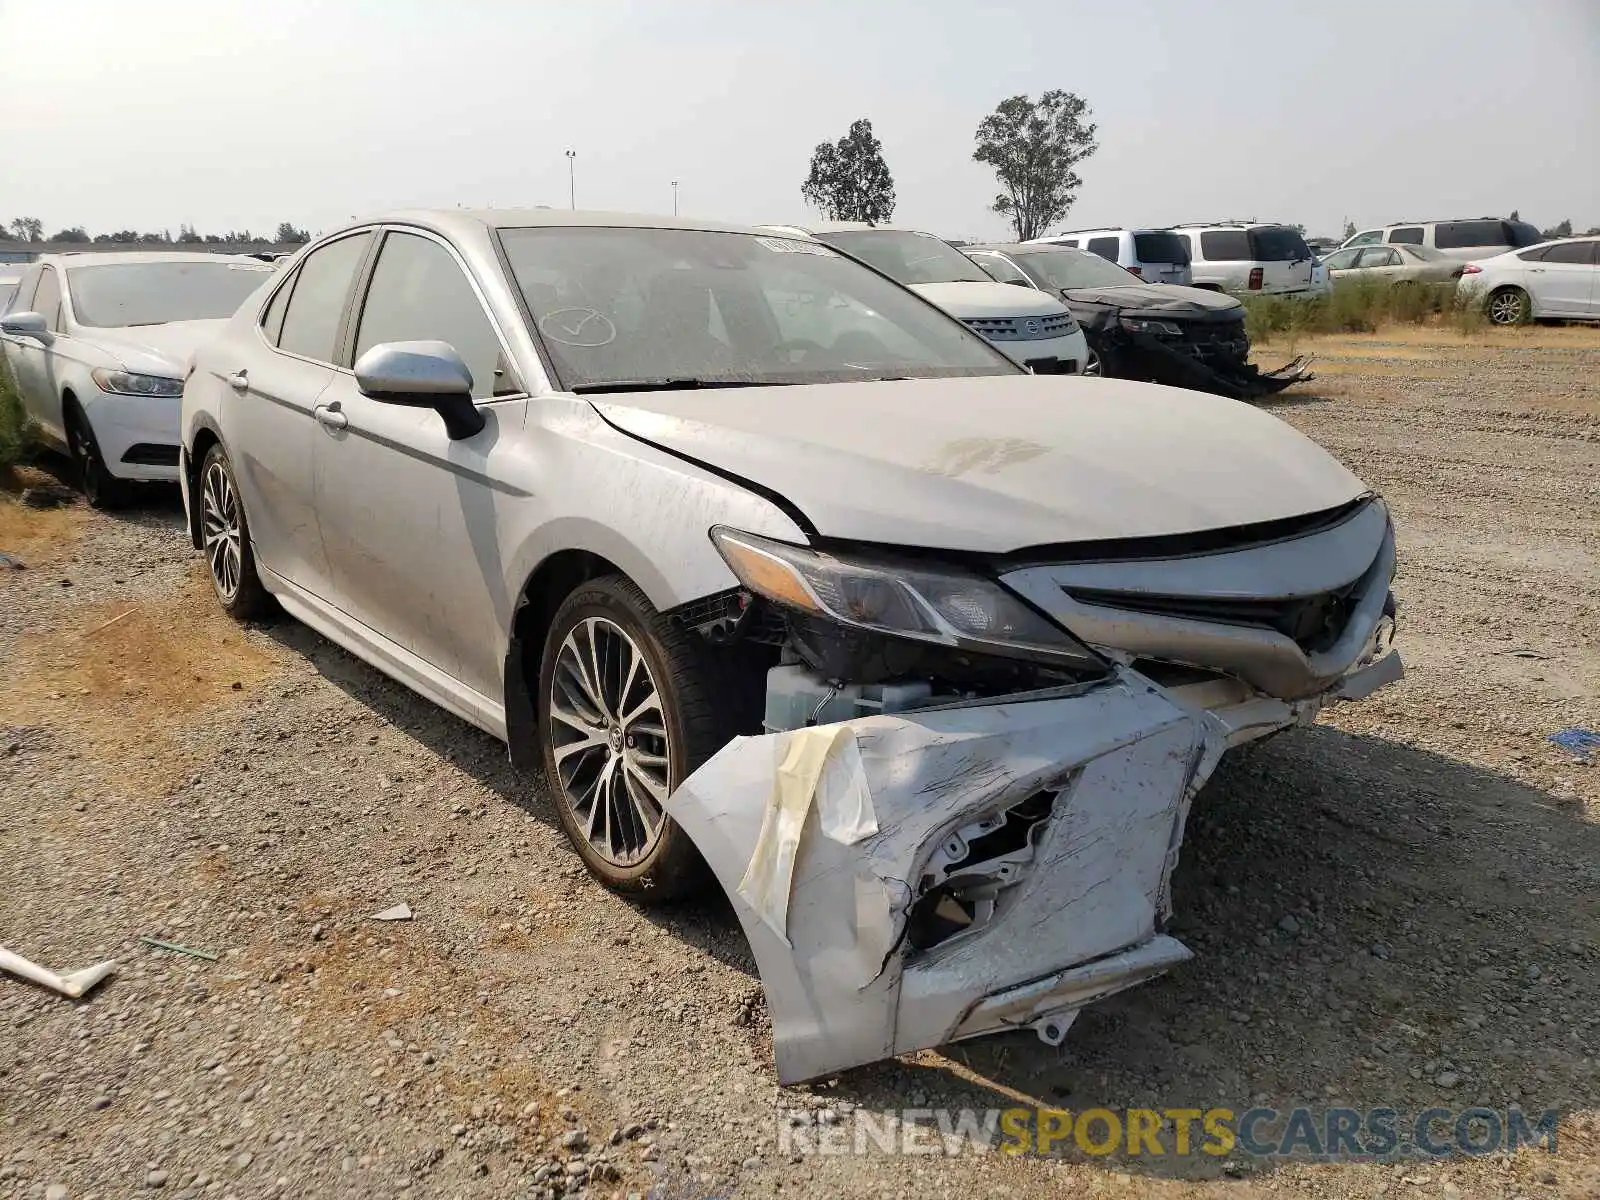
x=609 y=740
x=1092 y=364
x=219 y=530
x=1506 y=308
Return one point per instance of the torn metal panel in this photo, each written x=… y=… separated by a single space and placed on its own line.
x=1015 y=842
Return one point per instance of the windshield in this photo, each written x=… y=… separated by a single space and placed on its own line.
x=617 y=306
x=1066 y=268
x=153 y=293
x=1278 y=243
x=908 y=257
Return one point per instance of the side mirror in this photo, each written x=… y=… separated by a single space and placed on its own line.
x=422 y=375
x=26 y=324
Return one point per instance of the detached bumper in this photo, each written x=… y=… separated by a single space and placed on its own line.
x=907 y=880
x=1146 y=356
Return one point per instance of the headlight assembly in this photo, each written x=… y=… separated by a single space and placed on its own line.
x=943 y=605
x=127 y=383
x=1147 y=325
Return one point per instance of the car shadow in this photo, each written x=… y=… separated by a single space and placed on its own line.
x=1290 y=399
x=1359 y=935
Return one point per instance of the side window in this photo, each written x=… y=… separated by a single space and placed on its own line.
x=1105 y=247
x=999 y=269
x=311 y=324
x=1570 y=252
x=1407 y=235
x=1370 y=237
x=1226 y=245
x=47 y=300
x=1341 y=260
x=419 y=293
x=1379 y=256
x=272 y=319
x=1535 y=255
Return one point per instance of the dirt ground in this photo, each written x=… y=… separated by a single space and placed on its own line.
x=1397 y=907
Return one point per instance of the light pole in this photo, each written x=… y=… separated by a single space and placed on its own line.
x=674 y=197
x=572 y=185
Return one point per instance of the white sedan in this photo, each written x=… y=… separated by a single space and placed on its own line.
x=98 y=344
x=1555 y=280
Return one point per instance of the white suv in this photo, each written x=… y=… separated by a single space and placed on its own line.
x=1479 y=237
x=1154 y=255
x=1249 y=256
x=98 y=344
x=1029 y=327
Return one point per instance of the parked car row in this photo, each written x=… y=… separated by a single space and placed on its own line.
x=780 y=578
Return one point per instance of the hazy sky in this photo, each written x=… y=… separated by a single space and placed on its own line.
x=233 y=113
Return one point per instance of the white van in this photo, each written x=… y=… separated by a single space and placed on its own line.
x=1154 y=255
x=1477 y=237
x=1250 y=256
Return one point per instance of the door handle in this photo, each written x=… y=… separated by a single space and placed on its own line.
x=239 y=380
x=329 y=415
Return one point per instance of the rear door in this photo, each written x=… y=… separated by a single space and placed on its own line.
x=274 y=375
x=1561 y=280
x=1379 y=262
x=1283 y=256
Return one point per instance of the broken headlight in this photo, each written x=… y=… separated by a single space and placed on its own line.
x=944 y=605
x=1146 y=325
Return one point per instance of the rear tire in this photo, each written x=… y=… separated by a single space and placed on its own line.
x=225 y=540
x=629 y=704
x=102 y=489
x=1508 y=306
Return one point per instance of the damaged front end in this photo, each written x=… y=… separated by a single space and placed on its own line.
x=924 y=876
x=961 y=819
x=1206 y=356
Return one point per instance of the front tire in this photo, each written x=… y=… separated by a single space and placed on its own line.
x=225 y=540
x=628 y=706
x=1508 y=306
x=102 y=489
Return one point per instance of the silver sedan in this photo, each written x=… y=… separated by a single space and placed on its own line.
x=777 y=575
x=1393 y=264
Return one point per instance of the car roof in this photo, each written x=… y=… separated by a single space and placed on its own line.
x=1232 y=225
x=1025 y=248
x=89 y=258
x=822 y=227
x=1112 y=229
x=461 y=220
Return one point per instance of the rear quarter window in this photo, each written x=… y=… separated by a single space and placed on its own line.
x=1523 y=234
x=1455 y=235
x=1225 y=245
x=1160 y=248
x=1279 y=243
x=1105 y=247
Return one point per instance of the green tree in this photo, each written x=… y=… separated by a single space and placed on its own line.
x=1564 y=229
x=28 y=229
x=849 y=181
x=288 y=233
x=1349 y=230
x=75 y=235
x=1035 y=149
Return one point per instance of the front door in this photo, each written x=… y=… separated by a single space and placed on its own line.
x=1562 y=279
x=410 y=518
x=34 y=361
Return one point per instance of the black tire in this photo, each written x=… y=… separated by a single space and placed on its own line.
x=1508 y=306
x=101 y=488
x=1100 y=363
x=699 y=714
x=222 y=519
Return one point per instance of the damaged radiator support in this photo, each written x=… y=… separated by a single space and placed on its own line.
x=912 y=878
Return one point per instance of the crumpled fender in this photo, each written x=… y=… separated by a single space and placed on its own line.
x=1177 y=369
x=1077 y=921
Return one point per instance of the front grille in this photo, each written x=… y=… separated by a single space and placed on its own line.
x=1314 y=623
x=149 y=454
x=1219 y=341
x=1022 y=329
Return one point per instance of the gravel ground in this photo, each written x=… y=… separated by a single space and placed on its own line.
x=1396 y=907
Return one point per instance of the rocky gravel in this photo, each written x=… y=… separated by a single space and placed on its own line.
x=1396 y=907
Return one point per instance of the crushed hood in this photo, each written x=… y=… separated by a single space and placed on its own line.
x=995 y=464
x=966 y=300
x=158 y=349
x=1164 y=298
